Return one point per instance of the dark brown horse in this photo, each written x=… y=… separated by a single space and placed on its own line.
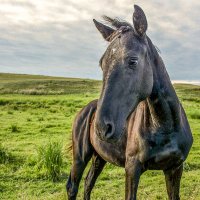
x=138 y=122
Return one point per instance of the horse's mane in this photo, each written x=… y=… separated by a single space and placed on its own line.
x=161 y=76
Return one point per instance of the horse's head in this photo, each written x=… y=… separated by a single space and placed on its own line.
x=127 y=74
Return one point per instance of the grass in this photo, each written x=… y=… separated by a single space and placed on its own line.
x=4 y=155
x=14 y=128
x=50 y=158
x=41 y=118
x=45 y=85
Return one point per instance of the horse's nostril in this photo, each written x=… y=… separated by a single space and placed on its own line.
x=105 y=129
x=109 y=131
x=109 y=128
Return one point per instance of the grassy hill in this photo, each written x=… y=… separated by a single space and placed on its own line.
x=45 y=85
x=30 y=120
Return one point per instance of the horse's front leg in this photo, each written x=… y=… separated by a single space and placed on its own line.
x=173 y=179
x=133 y=169
x=95 y=170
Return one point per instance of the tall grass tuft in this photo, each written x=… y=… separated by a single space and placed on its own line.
x=14 y=128
x=50 y=158
x=4 y=155
x=195 y=115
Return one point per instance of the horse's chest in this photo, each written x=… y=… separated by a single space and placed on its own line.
x=162 y=151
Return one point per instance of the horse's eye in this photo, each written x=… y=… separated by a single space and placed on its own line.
x=133 y=62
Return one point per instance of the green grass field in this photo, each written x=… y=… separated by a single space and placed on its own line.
x=36 y=110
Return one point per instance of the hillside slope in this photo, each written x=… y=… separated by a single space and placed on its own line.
x=45 y=85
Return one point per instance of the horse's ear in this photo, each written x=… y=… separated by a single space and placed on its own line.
x=139 y=21
x=105 y=31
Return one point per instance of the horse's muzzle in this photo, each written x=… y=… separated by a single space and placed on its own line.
x=107 y=131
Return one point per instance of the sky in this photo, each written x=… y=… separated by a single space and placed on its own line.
x=58 y=37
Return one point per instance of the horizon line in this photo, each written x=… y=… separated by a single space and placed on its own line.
x=34 y=74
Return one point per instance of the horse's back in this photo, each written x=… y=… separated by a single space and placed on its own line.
x=84 y=115
x=81 y=131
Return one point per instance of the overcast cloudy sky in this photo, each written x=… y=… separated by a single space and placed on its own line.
x=58 y=37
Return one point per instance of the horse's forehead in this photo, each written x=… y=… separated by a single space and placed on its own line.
x=128 y=41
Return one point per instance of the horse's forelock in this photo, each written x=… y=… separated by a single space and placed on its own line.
x=116 y=23
x=119 y=26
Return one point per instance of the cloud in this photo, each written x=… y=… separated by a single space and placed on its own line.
x=59 y=38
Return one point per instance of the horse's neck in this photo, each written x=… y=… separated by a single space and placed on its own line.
x=163 y=104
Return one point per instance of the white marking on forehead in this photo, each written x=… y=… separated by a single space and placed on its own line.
x=113 y=50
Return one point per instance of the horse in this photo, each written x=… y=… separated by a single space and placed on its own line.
x=138 y=121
